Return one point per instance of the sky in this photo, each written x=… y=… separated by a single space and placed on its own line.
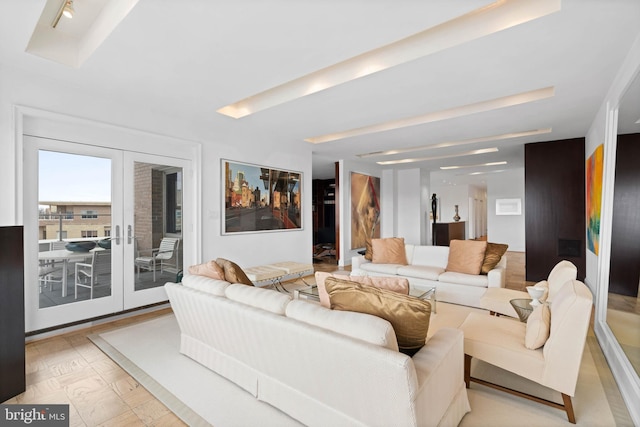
x=73 y=178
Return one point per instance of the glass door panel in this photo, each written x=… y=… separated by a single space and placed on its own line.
x=70 y=208
x=155 y=213
x=74 y=228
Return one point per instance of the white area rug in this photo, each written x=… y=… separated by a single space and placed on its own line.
x=149 y=352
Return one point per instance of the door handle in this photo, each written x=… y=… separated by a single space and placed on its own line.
x=117 y=234
x=129 y=234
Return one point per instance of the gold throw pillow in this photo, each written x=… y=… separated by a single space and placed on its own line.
x=492 y=256
x=233 y=273
x=408 y=315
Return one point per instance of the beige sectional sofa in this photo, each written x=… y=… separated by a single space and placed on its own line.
x=426 y=268
x=320 y=366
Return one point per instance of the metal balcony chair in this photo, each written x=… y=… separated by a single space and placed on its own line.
x=166 y=254
x=88 y=274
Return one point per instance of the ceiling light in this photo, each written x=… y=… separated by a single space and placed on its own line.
x=464 y=110
x=478 y=23
x=66 y=10
x=424 y=159
x=473 y=166
x=457 y=143
x=484 y=173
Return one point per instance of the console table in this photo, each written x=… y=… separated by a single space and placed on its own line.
x=444 y=232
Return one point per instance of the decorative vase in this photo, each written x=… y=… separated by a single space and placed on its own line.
x=456 y=217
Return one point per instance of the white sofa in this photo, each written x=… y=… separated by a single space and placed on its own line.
x=426 y=269
x=322 y=367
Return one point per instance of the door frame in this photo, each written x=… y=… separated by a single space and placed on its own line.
x=41 y=123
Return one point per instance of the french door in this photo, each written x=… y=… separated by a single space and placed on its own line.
x=95 y=219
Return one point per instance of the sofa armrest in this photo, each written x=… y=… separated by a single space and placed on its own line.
x=440 y=370
x=357 y=261
x=497 y=278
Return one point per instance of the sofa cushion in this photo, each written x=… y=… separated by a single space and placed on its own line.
x=265 y=299
x=478 y=280
x=409 y=316
x=420 y=271
x=396 y=284
x=370 y=267
x=210 y=269
x=371 y=329
x=205 y=284
x=434 y=256
x=466 y=256
x=492 y=256
x=232 y=272
x=389 y=251
x=538 y=327
x=543 y=284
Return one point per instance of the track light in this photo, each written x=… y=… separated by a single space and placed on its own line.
x=66 y=9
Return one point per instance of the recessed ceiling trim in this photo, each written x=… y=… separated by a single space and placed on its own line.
x=473 y=166
x=464 y=110
x=481 y=22
x=450 y=156
x=457 y=143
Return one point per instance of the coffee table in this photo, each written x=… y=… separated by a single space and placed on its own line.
x=312 y=293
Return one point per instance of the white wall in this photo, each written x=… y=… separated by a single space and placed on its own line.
x=19 y=87
x=409 y=206
x=509 y=229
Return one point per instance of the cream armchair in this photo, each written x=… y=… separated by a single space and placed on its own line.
x=500 y=341
x=496 y=300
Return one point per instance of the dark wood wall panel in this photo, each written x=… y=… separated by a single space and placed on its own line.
x=554 y=206
x=12 y=364
x=625 y=230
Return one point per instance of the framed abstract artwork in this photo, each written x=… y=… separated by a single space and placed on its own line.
x=260 y=198
x=594 y=197
x=365 y=209
x=508 y=207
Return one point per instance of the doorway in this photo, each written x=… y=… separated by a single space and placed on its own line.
x=103 y=229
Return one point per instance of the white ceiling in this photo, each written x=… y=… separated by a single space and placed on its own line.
x=191 y=57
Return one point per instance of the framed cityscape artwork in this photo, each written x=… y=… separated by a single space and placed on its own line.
x=260 y=198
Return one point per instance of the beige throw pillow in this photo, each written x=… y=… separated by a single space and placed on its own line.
x=388 y=251
x=492 y=256
x=408 y=315
x=233 y=273
x=538 y=327
x=209 y=269
x=466 y=256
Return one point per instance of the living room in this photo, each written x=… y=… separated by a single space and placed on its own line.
x=157 y=91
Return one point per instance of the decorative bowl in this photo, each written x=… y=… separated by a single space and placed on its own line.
x=535 y=293
x=84 y=246
x=105 y=243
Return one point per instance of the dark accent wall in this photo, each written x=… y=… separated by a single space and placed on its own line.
x=12 y=364
x=625 y=230
x=554 y=206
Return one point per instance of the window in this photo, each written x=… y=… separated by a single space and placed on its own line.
x=89 y=214
x=89 y=233
x=107 y=232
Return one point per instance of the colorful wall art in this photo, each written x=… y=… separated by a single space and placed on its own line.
x=365 y=209
x=260 y=198
x=594 y=197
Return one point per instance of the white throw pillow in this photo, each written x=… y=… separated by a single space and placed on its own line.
x=538 y=327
